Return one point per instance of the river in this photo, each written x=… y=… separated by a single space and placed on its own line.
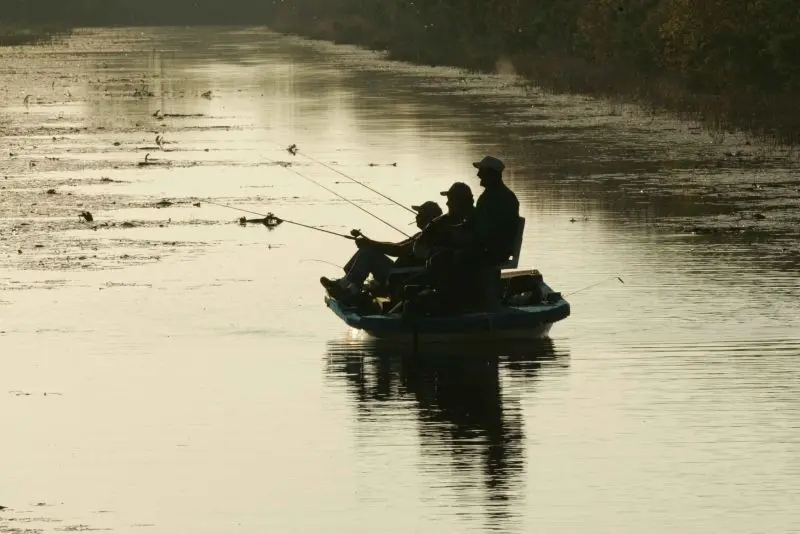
x=165 y=369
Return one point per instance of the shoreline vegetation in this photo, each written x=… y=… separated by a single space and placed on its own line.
x=727 y=64
x=19 y=36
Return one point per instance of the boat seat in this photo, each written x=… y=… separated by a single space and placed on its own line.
x=511 y=263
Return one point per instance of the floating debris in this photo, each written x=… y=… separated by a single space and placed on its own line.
x=143 y=92
x=207 y=94
x=292 y=149
x=148 y=161
x=86 y=216
x=163 y=204
x=51 y=191
x=196 y=204
x=270 y=221
x=127 y=224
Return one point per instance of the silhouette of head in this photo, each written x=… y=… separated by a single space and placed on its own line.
x=426 y=212
x=490 y=170
x=459 y=199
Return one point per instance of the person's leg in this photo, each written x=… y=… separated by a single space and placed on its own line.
x=365 y=262
x=355 y=268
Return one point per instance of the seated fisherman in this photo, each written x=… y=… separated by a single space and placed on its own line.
x=488 y=235
x=437 y=235
x=372 y=257
x=463 y=268
x=434 y=237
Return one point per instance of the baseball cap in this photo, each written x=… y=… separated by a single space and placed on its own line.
x=458 y=189
x=428 y=209
x=490 y=162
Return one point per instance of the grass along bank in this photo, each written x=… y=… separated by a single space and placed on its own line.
x=16 y=36
x=764 y=113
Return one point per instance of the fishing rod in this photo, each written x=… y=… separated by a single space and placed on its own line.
x=281 y=219
x=337 y=171
x=294 y=151
x=331 y=191
x=603 y=281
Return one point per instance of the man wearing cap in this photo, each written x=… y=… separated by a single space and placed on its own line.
x=372 y=257
x=496 y=218
x=463 y=271
x=487 y=235
x=438 y=235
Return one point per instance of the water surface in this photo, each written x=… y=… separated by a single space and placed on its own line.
x=182 y=374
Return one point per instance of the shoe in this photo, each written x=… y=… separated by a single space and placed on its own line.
x=342 y=289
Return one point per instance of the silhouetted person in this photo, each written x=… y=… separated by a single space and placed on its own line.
x=490 y=232
x=373 y=257
x=437 y=235
x=465 y=271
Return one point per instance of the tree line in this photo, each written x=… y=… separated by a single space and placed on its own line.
x=750 y=48
x=710 y=43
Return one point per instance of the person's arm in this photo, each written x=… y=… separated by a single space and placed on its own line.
x=389 y=249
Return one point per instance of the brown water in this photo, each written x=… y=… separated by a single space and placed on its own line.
x=183 y=374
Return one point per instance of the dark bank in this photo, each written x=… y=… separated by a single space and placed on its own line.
x=727 y=64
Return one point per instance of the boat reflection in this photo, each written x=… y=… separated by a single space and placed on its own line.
x=467 y=402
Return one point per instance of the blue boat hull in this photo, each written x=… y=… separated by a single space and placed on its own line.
x=510 y=322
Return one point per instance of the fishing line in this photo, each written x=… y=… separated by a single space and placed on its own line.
x=596 y=284
x=235 y=208
x=318 y=229
x=321 y=261
x=331 y=191
x=337 y=171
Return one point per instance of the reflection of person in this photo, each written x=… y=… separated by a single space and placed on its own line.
x=373 y=257
x=458 y=399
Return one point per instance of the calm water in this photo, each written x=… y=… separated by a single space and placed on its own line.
x=184 y=375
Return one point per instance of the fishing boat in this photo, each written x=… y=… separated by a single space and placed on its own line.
x=527 y=309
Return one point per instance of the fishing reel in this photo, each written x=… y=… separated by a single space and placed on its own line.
x=356 y=233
